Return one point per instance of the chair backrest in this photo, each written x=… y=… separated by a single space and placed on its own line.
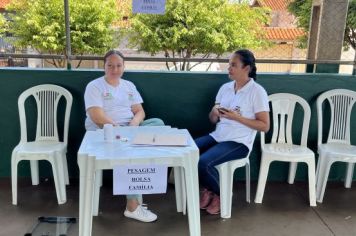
x=341 y=102
x=47 y=97
x=283 y=106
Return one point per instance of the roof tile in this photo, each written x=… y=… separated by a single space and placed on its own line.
x=275 y=5
x=3 y=3
x=283 y=34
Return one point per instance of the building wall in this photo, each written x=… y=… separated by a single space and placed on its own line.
x=281 y=51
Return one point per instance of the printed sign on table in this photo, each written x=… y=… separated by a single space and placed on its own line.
x=149 y=6
x=140 y=179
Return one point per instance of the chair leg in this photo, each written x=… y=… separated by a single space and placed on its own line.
x=97 y=185
x=248 y=182
x=34 y=172
x=349 y=175
x=292 y=172
x=65 y=169
x=226 y=180
x=262 y=178
x=311 y=178
x=320 y=173
x=61 y=175
x=318 y=166
x=14 y=178
x=58 y=182
x=324 y=181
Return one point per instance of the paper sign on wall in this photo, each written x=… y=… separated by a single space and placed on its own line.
x=149 y=6
x=140 y=179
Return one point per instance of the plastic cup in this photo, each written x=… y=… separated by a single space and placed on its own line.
x=109 y=133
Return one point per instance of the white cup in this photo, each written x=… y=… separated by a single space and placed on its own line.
x=108 y=132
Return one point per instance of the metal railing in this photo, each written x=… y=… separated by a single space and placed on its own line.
x=164 y=59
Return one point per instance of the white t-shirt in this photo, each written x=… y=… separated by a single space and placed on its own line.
x=115 y=101
x=251 y=99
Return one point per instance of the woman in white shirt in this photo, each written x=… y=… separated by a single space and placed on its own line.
x=113 y=100
x=241 y=109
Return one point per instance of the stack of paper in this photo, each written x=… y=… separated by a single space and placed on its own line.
x=160 y=139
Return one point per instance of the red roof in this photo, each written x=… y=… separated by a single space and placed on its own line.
x=274 y=5
x=285 y=34
x=3 y=3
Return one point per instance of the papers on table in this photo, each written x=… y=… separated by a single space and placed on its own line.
x=170 y=139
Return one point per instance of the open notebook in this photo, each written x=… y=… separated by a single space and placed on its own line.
x=160 y=139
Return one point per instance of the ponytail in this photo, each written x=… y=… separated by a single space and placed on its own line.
x=252 y=73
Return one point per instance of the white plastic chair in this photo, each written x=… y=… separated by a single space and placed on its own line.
x=226 y=179
x=46 y=145
x=337 y=146
x=282 y=147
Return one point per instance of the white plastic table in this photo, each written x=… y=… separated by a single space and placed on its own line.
x=96 y=154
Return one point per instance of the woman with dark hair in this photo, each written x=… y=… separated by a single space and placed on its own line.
x=241 y=108
x=113 y=100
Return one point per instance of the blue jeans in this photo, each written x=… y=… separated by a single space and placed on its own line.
x=148 y=122
x=213 y=153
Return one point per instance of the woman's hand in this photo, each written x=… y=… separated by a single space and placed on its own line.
x=134 y=122
x=260 y=123
x=230 y=114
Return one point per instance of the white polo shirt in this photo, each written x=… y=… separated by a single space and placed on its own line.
x=115 y=101
x=250 y=99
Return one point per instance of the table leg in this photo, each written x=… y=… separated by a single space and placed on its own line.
x=178 y=188
x=184 y=191
x=86 y=166
x=192 y=184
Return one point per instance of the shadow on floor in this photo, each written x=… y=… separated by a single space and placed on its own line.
x=285 y=211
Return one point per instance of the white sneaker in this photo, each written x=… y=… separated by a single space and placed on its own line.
x=141 y=214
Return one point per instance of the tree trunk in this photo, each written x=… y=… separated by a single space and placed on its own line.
x=354 y=70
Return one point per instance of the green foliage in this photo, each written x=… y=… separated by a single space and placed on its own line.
x=40 y=24
x=302 y=10
x=350 y=29
x=191 y=27
x=3 y=25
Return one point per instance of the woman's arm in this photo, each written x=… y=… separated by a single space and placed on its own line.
x=214 y=114
x=261 y=123
x=139 y=115
x=97 y=115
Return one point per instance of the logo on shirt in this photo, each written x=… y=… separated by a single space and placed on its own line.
x=107 y=96
x=131 y=96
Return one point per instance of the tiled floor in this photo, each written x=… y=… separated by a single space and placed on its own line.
x=285 y=211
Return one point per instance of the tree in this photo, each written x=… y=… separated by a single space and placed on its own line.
x=302 y=10
x=350 y=29
x=199 y=27
x=40 y=24
x=3 y=25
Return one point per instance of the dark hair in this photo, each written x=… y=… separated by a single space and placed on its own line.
x=112 y=52
x=248 y=59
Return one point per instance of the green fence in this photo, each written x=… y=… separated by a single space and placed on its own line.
x=181 y=99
